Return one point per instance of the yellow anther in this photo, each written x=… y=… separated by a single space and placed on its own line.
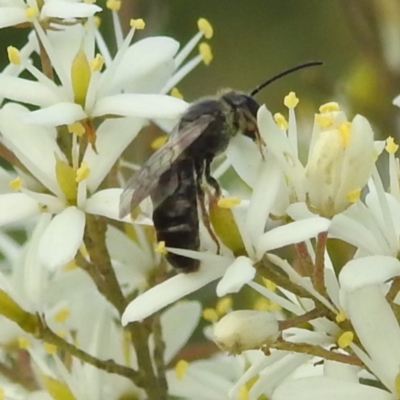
x=281 y=121
x=76 y=128
x=31 y=12
x=82 y=172
x=13 y=55
x=158 y=142
x=97 y=63
x=223 y=305
x=228 y=202
x=329 y=107
x=205 y=27
x=49 y=348
x=137 y=23
x=324 y=120
x=345 y=339
x=97 y=21
x=244 y=393
x=205 y=52
x=2 y=395
x=291 y=100
x=160 y=248
x=113 y=5
x=210 y=315
x=262 y=304
x=180 y=369
x=15 y=184
x=341 y=316
x=23 y=343
x=344 y=130
x=354 y=195
x=176 y=93
x=83 y=250
x=62 y=315
x=391 y=146
x=269 y=284
x=80 y=76
x=70 y=265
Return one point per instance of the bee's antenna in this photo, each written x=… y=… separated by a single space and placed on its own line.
x=284 y=73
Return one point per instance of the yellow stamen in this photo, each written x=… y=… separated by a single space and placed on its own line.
x=97 y=21
x=354 y=195
x=180 y=369
x=205 y=52
x=113 y=5
x=13 y=55
x=397 y=384
x=262 y=304
x=281 y=121
x=324 y=120
x=97 y=63
x=76 y=128
x=341 y=316
x=2 y=395
x=210 y=315
x=65 y=175
x=228 y=202
x=158 y=142
x=205 y=27
x=329 y=107
x=137 y=23
x=391 y=146
x=23 y=343
x=82 y=172
x=15 y=184
x=223 y=305
x=62 y=315
x=344 y=130
x=269 y=284
x=160 y=248
x=50 y=348
x=31 y=12
x=244 y=393
x=70 y=265
x=176 y=93
x=291 y=100
x=345 y=339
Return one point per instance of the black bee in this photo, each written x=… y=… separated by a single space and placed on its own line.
x=174 y=174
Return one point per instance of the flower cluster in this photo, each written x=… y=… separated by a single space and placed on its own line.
x=313 y=326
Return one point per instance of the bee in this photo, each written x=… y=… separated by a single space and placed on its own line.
x=173 y=176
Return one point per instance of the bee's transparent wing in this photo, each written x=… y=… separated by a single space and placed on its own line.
x=141 y=184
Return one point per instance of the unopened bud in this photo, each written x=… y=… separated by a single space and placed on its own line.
x=246 y=330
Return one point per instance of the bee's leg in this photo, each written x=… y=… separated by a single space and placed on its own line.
x=199 y=167
x=211 y=180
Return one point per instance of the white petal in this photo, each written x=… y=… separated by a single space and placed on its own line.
x=141 y=105
x=66 y=10
x=16 y=207
x=62 y=238
x=113 y=136
x=294 y=232
x=34 y=146
x=27 y=91
x=378 y=330
x=55 y=115
x=144 y=61
x=240 y=272
x=169 y=291
x=105 y=203
x=10 y=16
x=367 y=271
x=245 y=158
x=318 y=388
x=177 y=330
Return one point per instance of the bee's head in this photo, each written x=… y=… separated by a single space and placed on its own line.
x=246 y=109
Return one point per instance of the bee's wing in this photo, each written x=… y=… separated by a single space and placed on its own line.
x=141 y=184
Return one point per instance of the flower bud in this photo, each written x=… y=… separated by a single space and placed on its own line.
x=245 y=330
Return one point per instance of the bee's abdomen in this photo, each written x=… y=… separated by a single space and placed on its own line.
x=176 y=219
